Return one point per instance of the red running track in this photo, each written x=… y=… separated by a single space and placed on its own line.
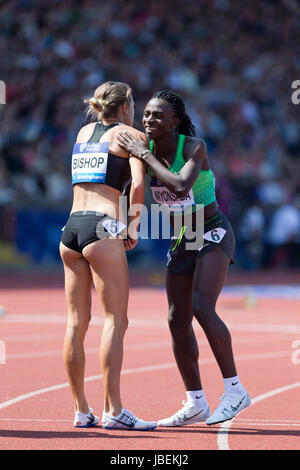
x=36 y=409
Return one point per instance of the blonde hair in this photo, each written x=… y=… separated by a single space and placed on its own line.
x=107 y=99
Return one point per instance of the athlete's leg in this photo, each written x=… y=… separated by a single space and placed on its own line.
x=78 y=282
x=184 y=343
x=209 y=278
x=185 y=348
x=109 y=268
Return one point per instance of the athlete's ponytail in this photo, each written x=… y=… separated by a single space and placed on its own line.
x=185 y=126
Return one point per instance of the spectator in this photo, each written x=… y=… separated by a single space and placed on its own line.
x=233 y=63
x=283 y=237
x=250 y=237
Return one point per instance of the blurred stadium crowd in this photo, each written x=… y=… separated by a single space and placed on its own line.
x=233 y=62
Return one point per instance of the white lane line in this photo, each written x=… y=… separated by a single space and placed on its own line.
x=58 y=352
x=250 y=422
x=42 y=338
x=53 y=319
x=268 y=420
x=137 y=370
x=224 y=429
x=31 y=337
x=264 y=328
x=129 y=347
x=141 y=323
x=254 y=423
x=34 y=419
x=134 y=347
x=19 y=398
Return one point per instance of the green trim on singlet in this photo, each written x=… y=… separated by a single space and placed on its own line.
x=178 y=241
x=204 y=186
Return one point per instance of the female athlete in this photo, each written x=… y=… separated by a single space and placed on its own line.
x=93 y=250
x=181 y=177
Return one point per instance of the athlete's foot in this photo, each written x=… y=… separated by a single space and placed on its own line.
x=230 y=406
x=126 y=420
x=85 y=420
x=188 y=414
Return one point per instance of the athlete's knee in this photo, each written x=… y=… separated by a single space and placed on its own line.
x=179 y=324
x=203 y=309
x=78 y=326
x=117 y=323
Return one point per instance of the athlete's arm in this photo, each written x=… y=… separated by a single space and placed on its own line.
x=181 y=183
x=136 y=194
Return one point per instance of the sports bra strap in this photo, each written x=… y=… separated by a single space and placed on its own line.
x=99 y=130
x=180 y=145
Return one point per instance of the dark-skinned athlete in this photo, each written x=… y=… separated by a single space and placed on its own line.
x=178 y=163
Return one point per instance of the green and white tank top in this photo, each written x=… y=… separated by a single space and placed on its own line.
x=202 y=191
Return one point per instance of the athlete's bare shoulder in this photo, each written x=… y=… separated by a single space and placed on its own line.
x=132 y=130
x=195 y=147
x=85 y=133
x=112 y=134
x=195 y=141
x=135 y=132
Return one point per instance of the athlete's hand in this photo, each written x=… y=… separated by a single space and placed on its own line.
x=130 y=244
x=134 y=146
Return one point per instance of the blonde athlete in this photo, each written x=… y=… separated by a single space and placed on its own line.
x=93 y=251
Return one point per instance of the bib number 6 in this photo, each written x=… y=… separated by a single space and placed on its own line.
x=216 y=235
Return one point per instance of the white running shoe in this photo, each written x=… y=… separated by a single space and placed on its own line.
x=126 y=420
x=229 y=407
x=188 y=414
x=85 y=420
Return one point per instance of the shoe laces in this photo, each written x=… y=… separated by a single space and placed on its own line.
x=180 y=413
x=226 y=399
x=128 y=417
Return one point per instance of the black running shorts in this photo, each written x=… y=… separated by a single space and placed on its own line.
x=217 y=232
x=85 y=227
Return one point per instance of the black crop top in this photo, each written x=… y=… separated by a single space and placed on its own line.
x=88 y=162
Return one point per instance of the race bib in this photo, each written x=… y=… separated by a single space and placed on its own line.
x=89 y=162
x=163 y=196
x=216 y=235
x=114 y=227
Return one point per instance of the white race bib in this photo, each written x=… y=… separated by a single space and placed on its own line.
x=89 y=162
x=163 y=196
x=216 y=235
x=114 y=227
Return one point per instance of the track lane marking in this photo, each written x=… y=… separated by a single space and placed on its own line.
x=129 y=347
x=87 y=379
x=256 y=422
x=168 y=365
x=58 y=352
x=222 y=437
x=141 y=323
